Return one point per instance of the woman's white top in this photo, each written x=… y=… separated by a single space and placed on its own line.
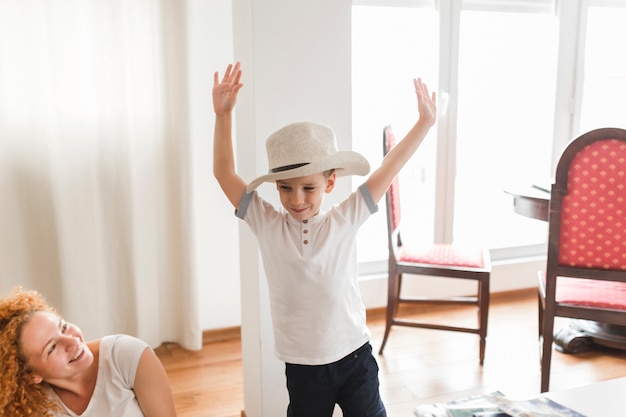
x=117 y=367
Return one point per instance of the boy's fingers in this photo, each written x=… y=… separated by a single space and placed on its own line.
x=237 y=76
x=227 y=72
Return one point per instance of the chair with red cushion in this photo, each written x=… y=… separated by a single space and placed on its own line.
x=585 y=276
x=440 y=260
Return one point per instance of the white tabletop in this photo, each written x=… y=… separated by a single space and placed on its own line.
x=601 y=399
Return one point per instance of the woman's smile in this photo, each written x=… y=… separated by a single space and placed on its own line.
x=79 y=353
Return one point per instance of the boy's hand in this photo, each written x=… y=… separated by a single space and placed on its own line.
x=225 y=92
x=426 y=103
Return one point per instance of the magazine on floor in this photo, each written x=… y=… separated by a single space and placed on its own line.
x=496 y=404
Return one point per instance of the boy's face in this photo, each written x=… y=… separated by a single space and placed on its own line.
x=302 y=197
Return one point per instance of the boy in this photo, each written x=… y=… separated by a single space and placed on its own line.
x=310 y=256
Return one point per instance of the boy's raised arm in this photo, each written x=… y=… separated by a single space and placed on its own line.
x=380 y=180
x=224 y=100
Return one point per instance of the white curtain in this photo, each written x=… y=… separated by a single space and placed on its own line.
x=94 y=164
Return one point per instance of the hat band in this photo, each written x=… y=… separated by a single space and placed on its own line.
x=287 y=167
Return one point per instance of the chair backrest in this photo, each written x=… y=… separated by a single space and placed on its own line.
x=392 y=196
x=587 y=236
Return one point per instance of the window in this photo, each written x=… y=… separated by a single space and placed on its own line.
x=505 y=110
x=604 y=75
x=391 y=46
x=504 y=119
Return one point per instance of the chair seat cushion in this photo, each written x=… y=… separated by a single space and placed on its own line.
x=587 y=292
x=449 y=255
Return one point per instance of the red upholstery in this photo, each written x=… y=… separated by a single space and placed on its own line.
x=591 y=293
x=396 y=212
x=448 y=255
x=597 y=194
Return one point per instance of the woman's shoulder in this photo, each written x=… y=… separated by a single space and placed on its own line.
x=120 y=354
x=116 y=344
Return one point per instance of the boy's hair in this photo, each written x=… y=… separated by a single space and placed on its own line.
x=328 y=173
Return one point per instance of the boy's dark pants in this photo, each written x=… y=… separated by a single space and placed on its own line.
x=351 y=382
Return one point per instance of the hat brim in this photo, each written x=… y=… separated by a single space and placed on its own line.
x=344 y=163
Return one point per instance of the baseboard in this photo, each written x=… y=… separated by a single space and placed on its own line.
x=220 y=335
x=500 y=297
x=230 y=333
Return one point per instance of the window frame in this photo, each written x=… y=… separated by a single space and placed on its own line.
x=572 y=21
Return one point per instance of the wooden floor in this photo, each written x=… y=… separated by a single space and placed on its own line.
x=419 y=366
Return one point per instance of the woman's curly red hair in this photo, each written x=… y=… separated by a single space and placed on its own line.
x=19 y=396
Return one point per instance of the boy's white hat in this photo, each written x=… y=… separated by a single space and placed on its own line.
x=306 y=148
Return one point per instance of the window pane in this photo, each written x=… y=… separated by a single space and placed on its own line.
x=604 y=85
x=507 y=68
x=390 y=47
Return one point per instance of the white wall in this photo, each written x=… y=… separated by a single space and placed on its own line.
x=216 y=263
x=296 y=61
x=288 y=77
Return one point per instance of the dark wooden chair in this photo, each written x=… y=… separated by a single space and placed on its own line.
x=585 y=276
x=439 y=260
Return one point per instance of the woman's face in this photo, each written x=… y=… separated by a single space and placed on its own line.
x=54 y=349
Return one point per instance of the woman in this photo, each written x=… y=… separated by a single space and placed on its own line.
x=50 y=370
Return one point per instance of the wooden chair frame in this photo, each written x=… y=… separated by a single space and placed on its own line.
x=549 y=308
x=397 y=268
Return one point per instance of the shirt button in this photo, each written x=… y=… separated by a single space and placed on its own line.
x=305 y=231
x=306 y=242
x=305 y=221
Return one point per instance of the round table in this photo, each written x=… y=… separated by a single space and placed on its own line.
x=531 y=202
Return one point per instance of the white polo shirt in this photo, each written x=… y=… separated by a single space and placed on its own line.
x=317 y=313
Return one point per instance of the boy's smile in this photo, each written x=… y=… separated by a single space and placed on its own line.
x=302 y=197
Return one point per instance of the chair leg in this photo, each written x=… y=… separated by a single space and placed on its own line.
x=483 y=311
x=384 y=342
x=546 y=352
x=540 y=315
x=393 y=293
